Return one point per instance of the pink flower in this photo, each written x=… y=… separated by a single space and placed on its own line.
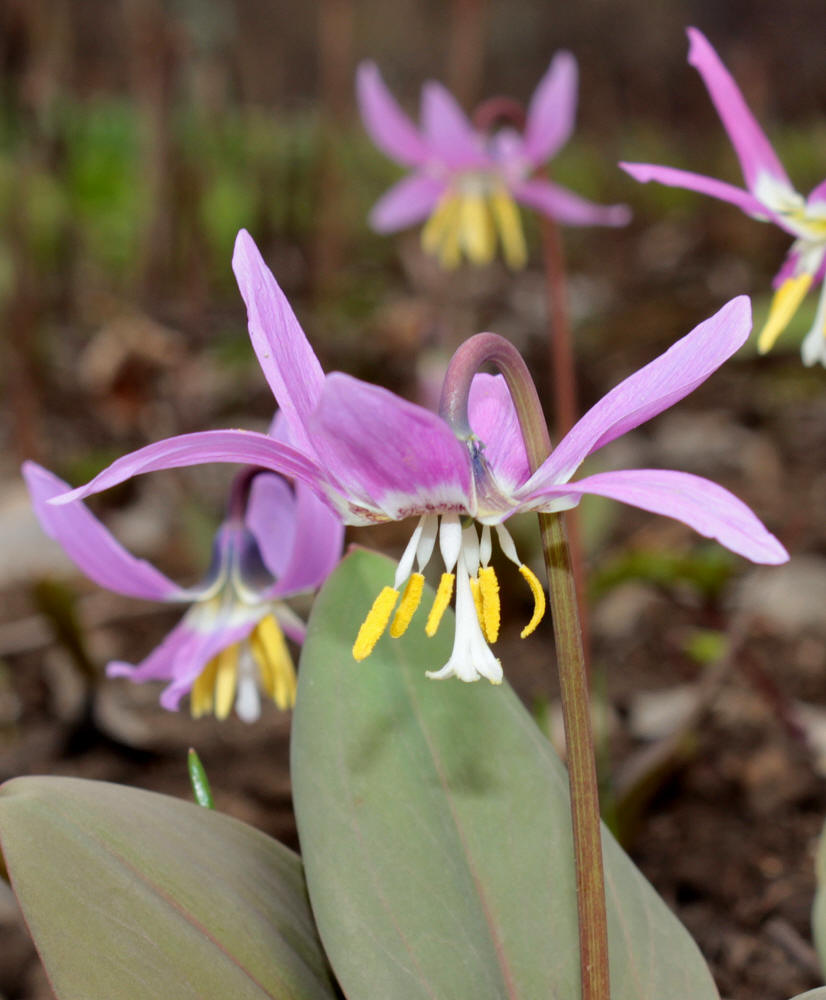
x=465 y=183
x=768 y=196
x=229 y=646
x=374 y=457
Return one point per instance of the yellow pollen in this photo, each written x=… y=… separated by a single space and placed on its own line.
x=509 y=224
x=409 y=603
x=477 y=234
x=201 y=696
x=784 y=305
x=491 y=608
x=538 y=600
x=440 y=603
x=477 y=600
x=275 y=665
x=375 y=623
x=225 y=680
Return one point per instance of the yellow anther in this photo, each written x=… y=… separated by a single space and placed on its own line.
x=477 y=601
x=410 y=601
x=491 y=607
x=477 y=234
x=509 y=224
x=275 y=665
x=440 y=235
x=784 y=305
x=538 y=600
x=375 y=623
x=440 y=603
x=201 y=696
x=225 y=680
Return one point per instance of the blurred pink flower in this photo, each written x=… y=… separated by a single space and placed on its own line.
x=464 y=182
x=229 y=646
x=769 y=197
x=374 y=457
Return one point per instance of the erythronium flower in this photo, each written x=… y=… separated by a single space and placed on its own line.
x=769 y=197
x=466 y=182
x=229 y=647
x=374 y=457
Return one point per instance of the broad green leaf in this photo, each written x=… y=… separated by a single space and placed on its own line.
x=435 y=829
x=130 y=895
x=819 y=907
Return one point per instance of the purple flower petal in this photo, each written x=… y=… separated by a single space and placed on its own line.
x=448 y=131
x=284 y=353
x=270 y=516
x=300 y=538
x=818 y=195
x=788 y=268
x=90 y=545
x=387 y=125
x=750 y=143
x=243 y=447
x=190 y=661
x=652 y=389
x=406 y=203
x=159 y=665
x=672 y=177
x=566 y=207
x=494 y=421
x=390 y=458
x=702 y=505
x=551 y=113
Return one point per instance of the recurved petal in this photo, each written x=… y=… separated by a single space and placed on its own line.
x=447 y=129
x=284 y=353
x=750 y=143
x=242 y=447
x=90 y=545
x=390 y=458
x=818 y=196
x=652 y=389
x=299 y=536
x=566 y=207
x=387 y=125
x=552 y=110
x=159 y=665
x=672 y=177
x=406 y=203
x=494 y=421
x=702 y=505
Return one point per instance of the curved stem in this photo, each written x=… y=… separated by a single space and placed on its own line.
x=582 y=775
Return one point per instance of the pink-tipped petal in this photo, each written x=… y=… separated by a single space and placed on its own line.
x=242 y=447
x=566 y=207
x=552 y=110
x=753 y=149
x=448 y=131
x=90 y=545
x=284 y=353
x=299 y=537
x=672 y=177
x=494 y=421
x=652 y=389
x=387 y=125
x=388 y=456
x=702 y=505
x=406 y=203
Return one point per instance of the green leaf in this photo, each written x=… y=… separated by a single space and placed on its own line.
x=130 y=895
x=435 y=829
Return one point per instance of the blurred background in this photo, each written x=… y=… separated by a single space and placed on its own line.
x=137 y=137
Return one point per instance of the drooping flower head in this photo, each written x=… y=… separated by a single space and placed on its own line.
x=229 y=647
x=373 y=457
x=769 y=197
x=466 y=182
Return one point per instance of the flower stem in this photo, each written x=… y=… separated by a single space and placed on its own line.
x=563 y=372
x=582 y=774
